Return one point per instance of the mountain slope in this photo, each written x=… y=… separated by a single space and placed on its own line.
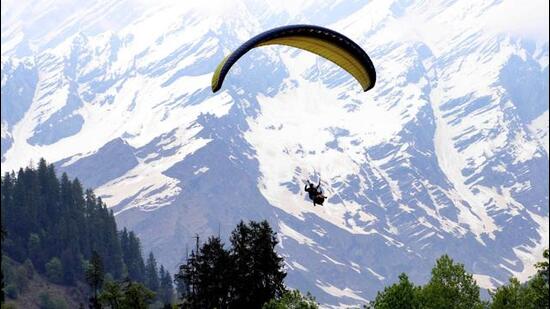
x=447 y=154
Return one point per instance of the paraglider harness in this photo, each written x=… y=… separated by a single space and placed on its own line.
x=315 y=193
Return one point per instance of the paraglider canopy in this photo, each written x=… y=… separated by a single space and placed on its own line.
x=324 y=42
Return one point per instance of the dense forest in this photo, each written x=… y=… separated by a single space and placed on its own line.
x=53 y=228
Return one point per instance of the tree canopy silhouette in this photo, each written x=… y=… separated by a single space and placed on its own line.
x=246 y=275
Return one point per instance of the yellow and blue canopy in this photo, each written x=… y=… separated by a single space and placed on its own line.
x=324 y=42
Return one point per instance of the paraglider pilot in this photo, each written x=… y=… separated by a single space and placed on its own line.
x=315 y=194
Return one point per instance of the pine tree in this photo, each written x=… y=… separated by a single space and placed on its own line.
x=269 y=264
x=56 y=225
x=77 y=218
x=30 y=204
x=6 y=195
x=46 y=193
x=112 y=247
x=94 y=277
x=183 y=289
x=72 y=265
x=52 y=213
x=125 y=252
x=247 y=275
x=259 y=272
x=2 y=233
x=65 y=226
x=187 y=281
x=91 y=225
x=151 y=273
x=19 y=222
x=213 y=265
x=166 y=290
x=134 y=260
x=242 y=256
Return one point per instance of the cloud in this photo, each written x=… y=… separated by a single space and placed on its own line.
x=528 y=19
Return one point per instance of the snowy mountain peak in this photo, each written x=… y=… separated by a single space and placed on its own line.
x=447 y=154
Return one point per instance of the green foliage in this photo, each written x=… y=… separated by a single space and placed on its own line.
x=55 y=225
x=52 y=226
x=47 y=301
x=536 y=292
x=509 y=296
x=17 y=277
x=259 y=272
x=208 y=276
x=450 y=287
x=29 y=268
x=399 y=295
x=54 y=270
x=131 y=253
x=11 y=291
x=2 y=296
x=292 y=299
x=166 y=289
x=22 y=278
x=112 y=295
x=95 y=277
x=247 y=275
x=34 y=246
x=151 y=273
x=532 y=294
x=137 y=296
x=543 y=266
x=45 y=217
x=9 y=274
x=125 y=295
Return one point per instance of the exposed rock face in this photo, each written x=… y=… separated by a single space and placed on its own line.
x=447 y=154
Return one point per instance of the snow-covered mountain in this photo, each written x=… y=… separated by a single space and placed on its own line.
x=447 y=154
